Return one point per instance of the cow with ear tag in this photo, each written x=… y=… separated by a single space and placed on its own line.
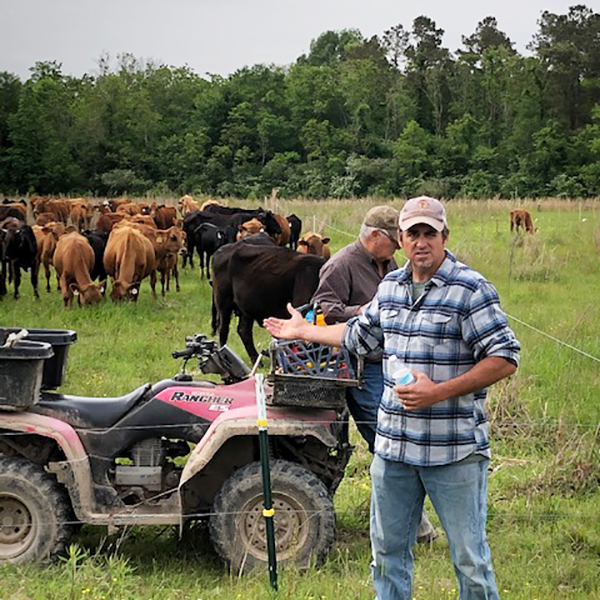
x=74 y=260
x=129 y=258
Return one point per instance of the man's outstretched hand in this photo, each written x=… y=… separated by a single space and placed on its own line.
x=287 y=329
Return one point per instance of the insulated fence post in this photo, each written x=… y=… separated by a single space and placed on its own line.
x=268 y=511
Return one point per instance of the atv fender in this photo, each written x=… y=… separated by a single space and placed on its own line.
x=79 y=480
x=243 y=421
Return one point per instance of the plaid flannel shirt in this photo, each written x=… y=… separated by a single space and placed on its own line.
x=456 y=323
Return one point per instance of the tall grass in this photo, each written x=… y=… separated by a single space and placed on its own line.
x=544 y=520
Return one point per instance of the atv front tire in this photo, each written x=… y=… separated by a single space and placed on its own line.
x=304 y=517
x=34 y=513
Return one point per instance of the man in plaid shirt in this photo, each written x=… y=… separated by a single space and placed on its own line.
x=444 y=321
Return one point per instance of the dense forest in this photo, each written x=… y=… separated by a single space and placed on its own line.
x=394 y=115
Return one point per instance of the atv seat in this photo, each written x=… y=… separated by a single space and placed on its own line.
x=88 y=413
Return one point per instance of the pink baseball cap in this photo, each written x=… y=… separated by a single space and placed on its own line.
x=423 y=210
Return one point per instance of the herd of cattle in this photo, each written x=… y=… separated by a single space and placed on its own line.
x=251 y=251
x=86 y=244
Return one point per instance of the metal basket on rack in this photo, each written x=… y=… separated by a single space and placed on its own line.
x=305 y=374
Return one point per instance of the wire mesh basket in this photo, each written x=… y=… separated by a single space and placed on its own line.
x=305 y=374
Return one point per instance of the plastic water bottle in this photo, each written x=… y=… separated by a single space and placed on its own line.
x=401 y=374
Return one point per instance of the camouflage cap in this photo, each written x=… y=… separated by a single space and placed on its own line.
x=383 y=217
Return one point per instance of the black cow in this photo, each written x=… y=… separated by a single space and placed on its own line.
x=257 y=281
x=295 y=229
x=207 y=239
x=10 y=211
x=97 y=240
x=229 y=210
x=192 y=221
x=18 y=250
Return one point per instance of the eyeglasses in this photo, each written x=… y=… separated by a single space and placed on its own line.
x=389 y=236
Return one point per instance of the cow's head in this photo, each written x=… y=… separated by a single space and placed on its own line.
x=272 y=226
x=251 y=227
x=88 y=294
x=313 y=243
x=171 y=240
x=120 y=291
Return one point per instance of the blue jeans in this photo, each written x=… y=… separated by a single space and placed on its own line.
x=458 y=493
x=363 y=403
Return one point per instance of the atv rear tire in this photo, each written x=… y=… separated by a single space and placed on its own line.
x=304 y=517
x=34 y=513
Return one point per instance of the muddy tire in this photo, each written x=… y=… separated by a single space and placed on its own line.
x=34 y=513
x=304 y=517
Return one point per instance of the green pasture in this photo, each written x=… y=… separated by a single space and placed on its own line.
x=544 y=498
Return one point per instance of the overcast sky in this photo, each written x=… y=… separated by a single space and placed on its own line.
x=221 y=36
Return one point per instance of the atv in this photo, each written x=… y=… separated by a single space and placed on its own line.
x=173 y=452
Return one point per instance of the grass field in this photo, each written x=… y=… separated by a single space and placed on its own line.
x=544 y=497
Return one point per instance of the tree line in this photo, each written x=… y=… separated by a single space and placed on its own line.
x=394 y=115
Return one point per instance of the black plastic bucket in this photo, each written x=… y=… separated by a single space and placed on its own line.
x=60 y=340
x=21 y=370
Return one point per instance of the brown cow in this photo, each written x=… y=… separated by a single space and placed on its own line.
x=251 y=227
x=60 y=209
x=80 y=213
x=107 y=221
x=283 y=238
x=141 y=220
x=520 y=218
x=47 y=237
x=130 y=208
x=164 y=216
x=169 y=245
x=74 y=261
x=187 y=205
x=129 y=258
x=314 y=243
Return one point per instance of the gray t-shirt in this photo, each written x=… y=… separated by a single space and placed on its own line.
x=419 y=288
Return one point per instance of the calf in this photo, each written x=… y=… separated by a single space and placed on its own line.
x=18 y=250
x=207 y=239
x=47 y=237
x=314 y=243
x=74 y=261
x=520 y=218
x=169 y=245
x=129 y=258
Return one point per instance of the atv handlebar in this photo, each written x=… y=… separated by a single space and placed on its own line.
x=212 y=359
x=187 y=353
